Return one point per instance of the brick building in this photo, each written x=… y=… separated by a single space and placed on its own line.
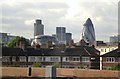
x=111 y=58
x=70 y=57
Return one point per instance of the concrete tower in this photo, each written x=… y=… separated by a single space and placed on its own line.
x=38 y=28
x=88 y=34
x=61 y=34
x=68 y=37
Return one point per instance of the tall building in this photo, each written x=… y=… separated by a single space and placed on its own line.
x=68 y=37
x=113 y=40
x=61 y=34
x=38 y=28
x=88 y=34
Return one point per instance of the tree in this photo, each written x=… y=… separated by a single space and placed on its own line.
x=36 y=64
x=56 y=64
x=16 y=41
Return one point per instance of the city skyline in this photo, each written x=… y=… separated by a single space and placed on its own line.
x=18 y=17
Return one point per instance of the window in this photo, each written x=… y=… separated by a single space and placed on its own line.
x=13 y=58
x=73 y=59
x=76 y=58
x=85 y=59
x=31 y=59
x=110 y=59
x=43 y=58
x=67 y=59
x=105 y=50
x=5 y=59
x=54 y=59
x=109 y=49
x=102 y=50
x=22 y=59
x=40 y=58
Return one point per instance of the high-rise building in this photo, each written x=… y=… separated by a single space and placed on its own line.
x=38 y=28
x=88 y=34
x=61 y=34
x=113 y=40
x=68 y=37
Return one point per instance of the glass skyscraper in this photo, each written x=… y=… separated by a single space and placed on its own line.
x=88 y=34
x=61 y=34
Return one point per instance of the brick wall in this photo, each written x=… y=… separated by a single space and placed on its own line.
x=67 y=72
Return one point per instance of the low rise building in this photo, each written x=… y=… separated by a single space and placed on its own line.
x=85 y=56
x=110 y=59
x=105 y=49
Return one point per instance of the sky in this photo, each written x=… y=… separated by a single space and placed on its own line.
x=18 y=16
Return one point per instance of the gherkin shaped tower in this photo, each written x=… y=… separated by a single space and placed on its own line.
x=88 y=34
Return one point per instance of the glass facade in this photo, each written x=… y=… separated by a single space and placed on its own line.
x=43 y=39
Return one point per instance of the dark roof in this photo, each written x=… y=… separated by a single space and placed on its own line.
x=114 y=53
x=11 y=51
x=29 y=52
x=82 y=51
x=41 y=52
x=78 y=51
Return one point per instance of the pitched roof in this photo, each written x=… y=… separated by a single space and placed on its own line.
x=82 y=51
x=78 y=51
x=114 y=53
x=28 y=52
x=11 y=51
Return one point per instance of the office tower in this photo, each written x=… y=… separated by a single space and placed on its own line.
x=113 y=40
x=68 y=37
x=38 y=28
x=61 y=34
x=88 y=34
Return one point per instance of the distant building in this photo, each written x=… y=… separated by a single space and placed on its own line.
x=100 y=43
x=54 y=35
x=11 y=37
x=68 y=37
x=43 y=40
x=38 y=28
x=113 y=40
x=5 y=38
x=88 y=34
x=61 y=34
x=105 y=49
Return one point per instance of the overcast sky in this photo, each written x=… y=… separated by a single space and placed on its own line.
x=18 y=16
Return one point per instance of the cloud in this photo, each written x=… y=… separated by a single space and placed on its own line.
x=19 y=16
x=29 y=22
